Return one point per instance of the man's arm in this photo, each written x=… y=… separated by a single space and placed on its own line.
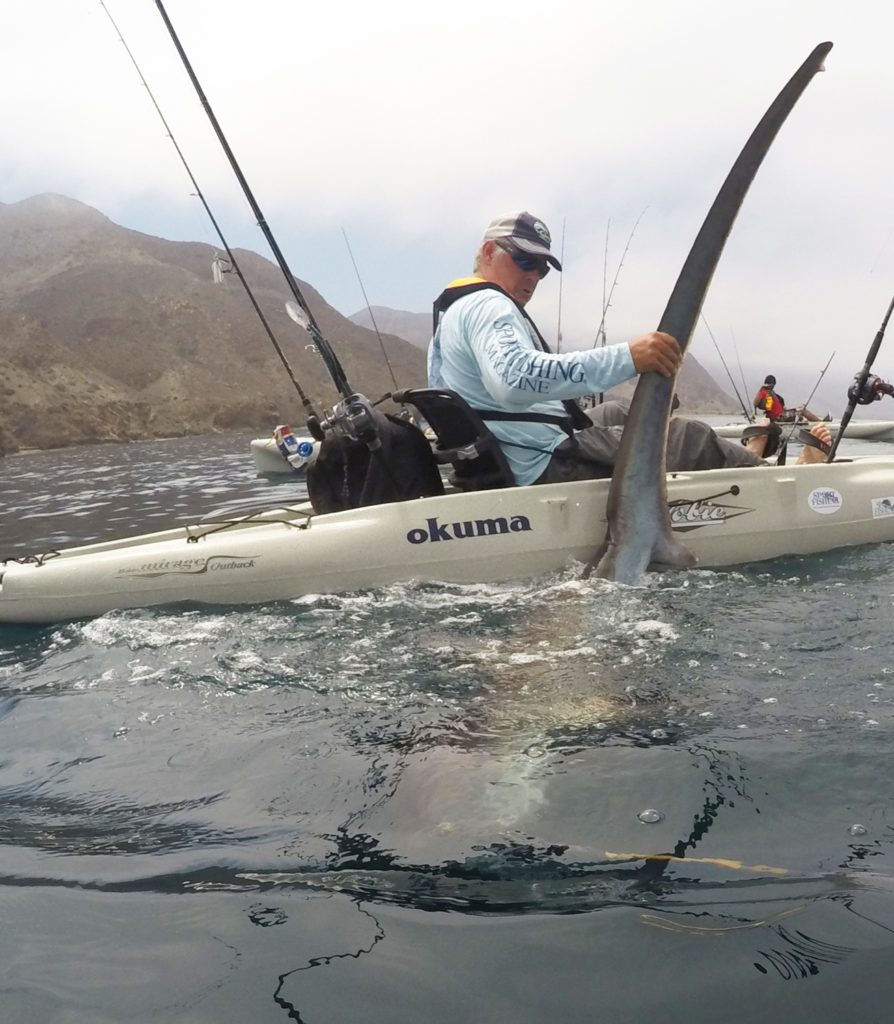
x=518 y=374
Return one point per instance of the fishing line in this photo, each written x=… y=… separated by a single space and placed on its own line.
x=369 y=309
x=330 y=360
x=234 y=264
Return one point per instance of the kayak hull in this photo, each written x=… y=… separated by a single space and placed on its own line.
x=727 y=517
x=858 y=430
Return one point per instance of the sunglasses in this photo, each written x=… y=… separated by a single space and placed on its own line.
x=523 y=261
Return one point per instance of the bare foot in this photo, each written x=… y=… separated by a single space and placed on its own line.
x=758 y=443
x=809 y=454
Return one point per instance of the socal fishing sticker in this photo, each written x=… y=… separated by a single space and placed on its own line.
x=824 y=500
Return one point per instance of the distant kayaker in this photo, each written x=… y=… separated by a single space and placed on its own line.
x=487 y=349
x=768 y=402
x=772 y=405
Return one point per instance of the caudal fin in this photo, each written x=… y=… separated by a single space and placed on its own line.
x=626 y=564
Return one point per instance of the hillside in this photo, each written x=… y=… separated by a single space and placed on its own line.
x=696 y=388
x=412 y=327
x=111 y=334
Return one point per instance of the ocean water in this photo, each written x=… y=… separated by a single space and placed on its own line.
x=558 y=800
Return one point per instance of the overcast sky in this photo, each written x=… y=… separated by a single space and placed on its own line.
x=409 y=125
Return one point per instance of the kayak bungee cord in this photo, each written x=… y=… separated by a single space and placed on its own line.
x=329 y=358
x=866 y=387
x=234 y=265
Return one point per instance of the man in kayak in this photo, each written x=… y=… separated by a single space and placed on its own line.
x=487 y=349
x=773 y=407
x=767 y=401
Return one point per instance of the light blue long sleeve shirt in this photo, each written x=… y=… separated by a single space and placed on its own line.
x=485 y=350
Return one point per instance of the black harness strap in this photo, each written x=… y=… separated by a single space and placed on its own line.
x=565 y=422
x=576 y=419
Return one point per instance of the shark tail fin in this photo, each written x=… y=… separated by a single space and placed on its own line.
x=670 y=550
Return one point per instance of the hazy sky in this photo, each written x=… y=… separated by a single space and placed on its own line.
x=410 y=125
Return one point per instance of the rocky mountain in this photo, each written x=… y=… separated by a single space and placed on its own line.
x=696 y=388
x=413 y=327
x=111 y=334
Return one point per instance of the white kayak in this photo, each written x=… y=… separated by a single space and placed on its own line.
x=862 y=430
x=269 y=459
x=727 y=517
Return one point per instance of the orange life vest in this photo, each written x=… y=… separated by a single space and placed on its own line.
x=769 y=402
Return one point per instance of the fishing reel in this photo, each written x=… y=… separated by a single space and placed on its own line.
x=872 y=390
x=353 y=418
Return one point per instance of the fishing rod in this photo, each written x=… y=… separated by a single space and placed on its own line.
x=607 y=301
x=818 y=382
x=795 y=425
x=866 y=387
x=306 y=317
x=600 y=330
x=369 y=309
x=600 y=338
x=217 y=264
x=559 y=317
x=748 y=416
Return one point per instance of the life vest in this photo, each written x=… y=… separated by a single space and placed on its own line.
x=576 y=418
x=769 y=402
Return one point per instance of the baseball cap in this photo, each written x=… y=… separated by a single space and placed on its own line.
x=525 y=232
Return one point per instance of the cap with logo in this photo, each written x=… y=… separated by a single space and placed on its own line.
x=524 y=232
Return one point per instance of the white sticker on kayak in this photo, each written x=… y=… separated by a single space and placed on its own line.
x=824 y=500
x=882 y=507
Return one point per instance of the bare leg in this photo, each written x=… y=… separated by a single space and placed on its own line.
x=758 y=443
x=809 y=454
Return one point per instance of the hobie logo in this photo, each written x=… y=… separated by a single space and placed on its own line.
x=687 y=512
x=687 y=516
x=435 y=531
